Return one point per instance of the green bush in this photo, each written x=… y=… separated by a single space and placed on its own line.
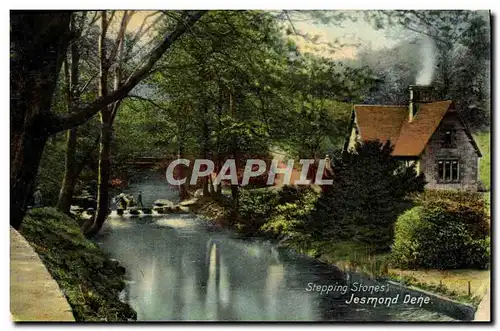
x=290 y=218
x=275 y=212
x=255 y=207
x=90 y=281
x=446 y=230
x=370 y=189
x=470 y=207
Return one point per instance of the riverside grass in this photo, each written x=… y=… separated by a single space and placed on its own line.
x=90 y=281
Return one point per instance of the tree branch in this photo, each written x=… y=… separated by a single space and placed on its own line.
x=119 y=38
x=83 y=113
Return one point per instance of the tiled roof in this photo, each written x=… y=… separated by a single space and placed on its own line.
x=391 y=123
x=415 y=134
x=380 y=122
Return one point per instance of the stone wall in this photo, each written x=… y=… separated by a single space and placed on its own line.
x=464 y=152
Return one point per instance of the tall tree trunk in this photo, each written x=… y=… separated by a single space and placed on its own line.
x=235 y=155
x=93 y=226
x=38 y=43
x=28 y=150
x=70 y=174
x=183 y=191
x=218 y=165
x=72 y=80
x=206 y=147
x=39 y=40
x=68 y=188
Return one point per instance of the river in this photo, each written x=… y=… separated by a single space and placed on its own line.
x=178 y=269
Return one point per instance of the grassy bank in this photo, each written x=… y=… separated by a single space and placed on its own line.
x=453 y=284
x=350 y=256
x=90 y=281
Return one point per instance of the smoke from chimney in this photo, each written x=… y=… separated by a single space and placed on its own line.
x=428 y=56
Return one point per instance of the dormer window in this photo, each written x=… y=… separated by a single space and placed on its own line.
x=448 y=137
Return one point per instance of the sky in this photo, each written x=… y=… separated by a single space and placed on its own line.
x=355 y=34
x=359 y=32
x=350 y=32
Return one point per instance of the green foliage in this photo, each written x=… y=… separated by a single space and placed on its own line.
x=483 y=139
x=52 y=163
x=236 y=86
x=276 y=213
x=461 y=39
x=255 y=206
x=90 y=281
x=446 y=230
x=51 y=170
x=369 y=190
x=289 y=218
x=470 y=207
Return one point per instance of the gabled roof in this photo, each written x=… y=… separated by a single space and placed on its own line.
x=380 y=122
x=376 y=122
x=414 y=135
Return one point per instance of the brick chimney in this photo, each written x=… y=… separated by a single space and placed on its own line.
x=420 y=94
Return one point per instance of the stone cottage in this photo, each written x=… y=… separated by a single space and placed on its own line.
x=427 y=132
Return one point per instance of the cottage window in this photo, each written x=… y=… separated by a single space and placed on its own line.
x=448 y=170
x=448 y=137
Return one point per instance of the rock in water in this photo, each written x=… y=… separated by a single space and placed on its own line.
x=159 y=210
x=163 y=203
x=134 y=211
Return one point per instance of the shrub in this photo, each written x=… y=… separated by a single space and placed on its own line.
x=470 y=207
x=255 y=207
x=446 y=230
x=290 y=218
x=370 y=189
x=275 y=212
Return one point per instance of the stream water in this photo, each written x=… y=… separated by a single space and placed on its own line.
x=178 y=269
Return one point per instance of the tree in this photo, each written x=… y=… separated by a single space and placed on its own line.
x=39 y=42
x=73 y=90
x=369 y=191
x=249 y=90
x=451 y=30
x=320 y=93
x=396 y=68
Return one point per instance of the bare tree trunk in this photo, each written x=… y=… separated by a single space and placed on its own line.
x=28 y=149
x=218 y=165
x=183 y=191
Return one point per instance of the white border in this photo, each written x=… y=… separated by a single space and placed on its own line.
x=190 y=4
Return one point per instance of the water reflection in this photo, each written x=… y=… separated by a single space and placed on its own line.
x=180 y=271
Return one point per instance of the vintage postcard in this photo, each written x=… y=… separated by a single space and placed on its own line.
x=250 y=165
